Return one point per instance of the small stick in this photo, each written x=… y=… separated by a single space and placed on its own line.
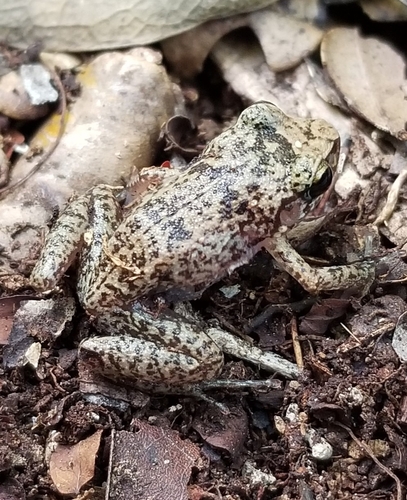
x=296 y=344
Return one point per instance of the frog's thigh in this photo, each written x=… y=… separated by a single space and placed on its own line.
x=148 y=349
x=315 y=280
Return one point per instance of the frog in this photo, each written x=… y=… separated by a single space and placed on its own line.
x=248 y=190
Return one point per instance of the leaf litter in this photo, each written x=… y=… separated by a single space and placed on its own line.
x=353 y=393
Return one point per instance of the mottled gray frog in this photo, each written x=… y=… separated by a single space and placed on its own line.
x=248 y=190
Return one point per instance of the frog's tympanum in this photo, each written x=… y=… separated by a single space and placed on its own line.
x=248 y=190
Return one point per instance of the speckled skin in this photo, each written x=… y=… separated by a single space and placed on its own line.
x=249 y=187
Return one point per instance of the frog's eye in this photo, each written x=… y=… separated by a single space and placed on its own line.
x=320 y=186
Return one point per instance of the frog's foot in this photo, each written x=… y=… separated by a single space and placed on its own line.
x=169 y=351
x=230 y=344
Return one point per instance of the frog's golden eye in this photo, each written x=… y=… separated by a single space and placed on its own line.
x=320 y=186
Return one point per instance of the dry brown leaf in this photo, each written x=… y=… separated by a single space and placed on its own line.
x=78 y=26
x=225 y=432
x=187 y=52
x=378 y=317
x=370 y=74
x=321 y=315
x=151 y=464
x=385 y=10
x=71 y=467
x=284 y=39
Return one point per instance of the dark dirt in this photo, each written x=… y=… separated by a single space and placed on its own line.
x=353 y=387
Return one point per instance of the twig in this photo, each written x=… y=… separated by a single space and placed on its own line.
x=296 y=344
x=392 y=199
x=369 y=452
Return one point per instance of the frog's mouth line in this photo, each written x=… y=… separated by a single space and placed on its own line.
x=294 y=210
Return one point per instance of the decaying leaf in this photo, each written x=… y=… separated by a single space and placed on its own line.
x=78 y=26
x=71 y=467
x=385 y=10
x=285 y=41
x=370 y=74
x=224 y=432
x=375 y=319
x=40 y=320
x=150 y=464
x=321 y=315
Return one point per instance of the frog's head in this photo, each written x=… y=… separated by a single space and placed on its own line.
x=303 y=155
x=312 y=146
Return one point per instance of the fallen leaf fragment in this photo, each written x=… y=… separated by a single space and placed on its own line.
x=370 y=74
x=71 y=467
x=79 y=26
x=151 y=464
x=225 y=432
x=36 y=319
x=285 y=41
x=321 y=315
x=385 y=10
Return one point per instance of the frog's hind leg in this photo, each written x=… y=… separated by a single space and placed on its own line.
x=169 y=351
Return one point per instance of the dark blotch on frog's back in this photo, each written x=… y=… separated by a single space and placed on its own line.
x=176 y=229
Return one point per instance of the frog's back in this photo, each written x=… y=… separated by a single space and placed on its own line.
x=194 y=230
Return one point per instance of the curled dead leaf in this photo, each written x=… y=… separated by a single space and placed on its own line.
x=180 y=137
x=285 y=41
x=370 y=74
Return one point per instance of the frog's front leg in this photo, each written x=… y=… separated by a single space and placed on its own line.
x=84 y=226
x=316 y=280
x=62 y=244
